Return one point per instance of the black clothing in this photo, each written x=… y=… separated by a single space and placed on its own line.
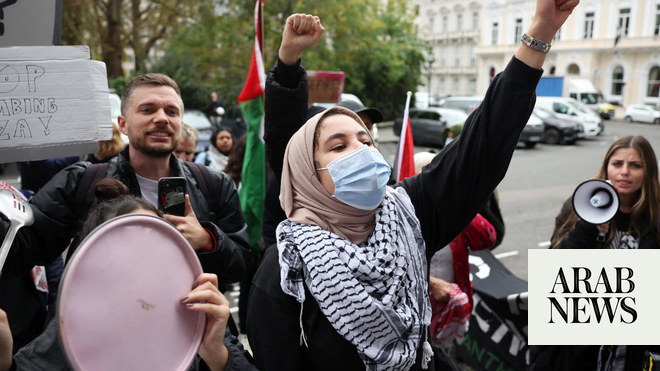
x=25 y=305
x=279 y=330
x=46 y=353
x=57 y=217
x=446 y=196
x=585 y=235
x=34 y=174
x=213 y=104
x=273 y=213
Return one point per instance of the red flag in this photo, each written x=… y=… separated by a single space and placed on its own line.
x=405 y=162
x=256 y=79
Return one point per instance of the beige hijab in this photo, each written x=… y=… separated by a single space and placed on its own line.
x=302 y=195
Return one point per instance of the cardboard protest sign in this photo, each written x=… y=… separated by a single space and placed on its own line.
x=54 y=102
x=30 y=22
x=325 y=86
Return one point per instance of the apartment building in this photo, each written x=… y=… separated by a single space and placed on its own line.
x=626 y=71
x=450 y=30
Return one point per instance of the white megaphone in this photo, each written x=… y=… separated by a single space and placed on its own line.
x=596 y=201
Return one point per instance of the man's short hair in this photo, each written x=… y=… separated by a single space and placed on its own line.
x=148 y=79
x=188 y=132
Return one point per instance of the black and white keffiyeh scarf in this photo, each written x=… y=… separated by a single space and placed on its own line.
x=374 y=294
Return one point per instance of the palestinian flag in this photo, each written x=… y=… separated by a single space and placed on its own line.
x=253 y=177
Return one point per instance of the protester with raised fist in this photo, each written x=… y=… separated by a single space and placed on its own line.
x=346 y=287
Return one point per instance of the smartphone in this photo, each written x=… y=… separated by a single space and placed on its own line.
x=171 y=195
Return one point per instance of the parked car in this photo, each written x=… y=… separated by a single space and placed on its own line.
x=642 y=113
x=531 y=134
x=344 y=97
x=568 y=107
x=593 y=115
x=199 y=121
x=427 y=124
x=233 y=120
x=465 y=104
x=555 y=129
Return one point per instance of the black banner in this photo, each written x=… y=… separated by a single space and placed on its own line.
x=497 y=337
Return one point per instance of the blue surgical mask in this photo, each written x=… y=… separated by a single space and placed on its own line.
x=360 y=177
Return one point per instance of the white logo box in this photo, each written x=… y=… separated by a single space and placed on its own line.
x=583 y=327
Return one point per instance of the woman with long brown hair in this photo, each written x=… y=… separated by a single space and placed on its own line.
x=631 y=166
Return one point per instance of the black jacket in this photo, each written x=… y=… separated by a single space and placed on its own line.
x=57 y=216
x=446 y=195
x=584 y=235
x=46 y=353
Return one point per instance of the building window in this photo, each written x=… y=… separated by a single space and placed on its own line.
x=654 y=82
x=444 y=23
x=495 y=33
x=457 y=56
x=431 y=20
x=441 y=86
x=459 y=22
x=456 y=86
x=517 y=33
x=589 y=25
x=473 y=58
x=472 y=86
x=475 y=20
x=623 y=26
x=442 y=56
x=617 y=80
x=656 y=31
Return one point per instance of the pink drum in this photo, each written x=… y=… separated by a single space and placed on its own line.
x=119 y=301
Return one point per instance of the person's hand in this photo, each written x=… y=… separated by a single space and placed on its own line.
x=550 y=15
x=189 y=226
x=603 y=229
x=206 y=298
x=6 y=342
x=300 y=32
x=440 y=289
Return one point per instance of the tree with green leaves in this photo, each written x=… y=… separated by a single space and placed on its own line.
x=207 y=44
x=372 y=41
x=109 y=27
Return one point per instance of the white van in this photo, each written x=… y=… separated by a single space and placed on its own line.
x=572 y=109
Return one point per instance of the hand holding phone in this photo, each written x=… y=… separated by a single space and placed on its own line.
x=171 y=195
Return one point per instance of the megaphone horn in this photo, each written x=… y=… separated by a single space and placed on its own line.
x=595 y=201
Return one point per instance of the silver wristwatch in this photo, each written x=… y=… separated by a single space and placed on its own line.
x=535 y=44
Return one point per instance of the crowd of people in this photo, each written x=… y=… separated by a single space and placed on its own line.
x=356 y=272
